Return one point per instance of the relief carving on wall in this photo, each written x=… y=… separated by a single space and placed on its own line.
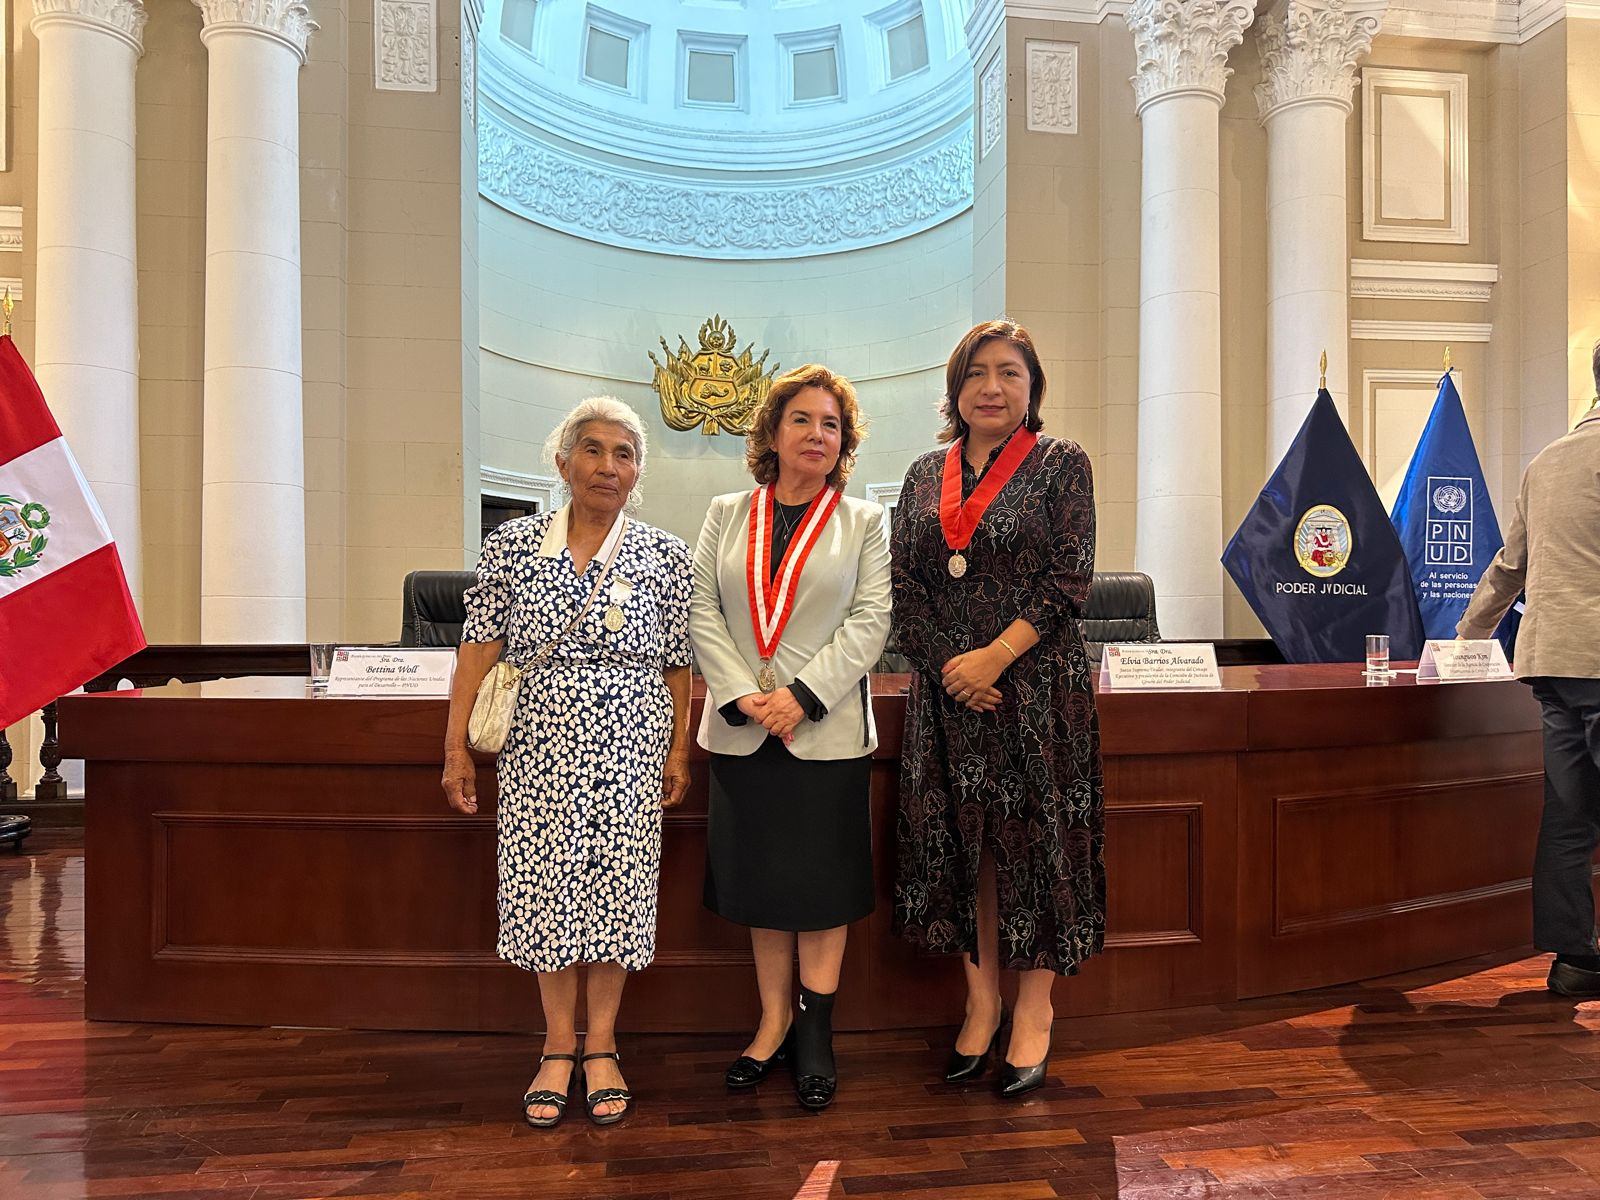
x=992 y=102
x=406 y=50
x=711 y=387
x=1053 y=87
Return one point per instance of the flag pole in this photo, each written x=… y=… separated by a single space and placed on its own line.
x=1447 y=360
x=1323 y=370
x=7 y=304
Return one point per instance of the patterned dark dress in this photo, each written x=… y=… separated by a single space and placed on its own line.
x=1022 y=783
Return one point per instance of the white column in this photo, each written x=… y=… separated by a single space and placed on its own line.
x=1309 y=52
x=1182 y=50
x=253 y=536
x=86 y=348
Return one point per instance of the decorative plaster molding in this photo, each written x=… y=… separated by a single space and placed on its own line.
x=405 y=45
x=1421 y=331
x=1374 y=378
x=887 y=495
x=288 y=21
x=469 y=76
x=10 y=229
x=125 y=18
x=992 y=104
x=707 y=219
x=1181 y=46
x=518 y=485
x=1448 y=141
x=987 y=15
x=1309 y=51
x=1052 y=87
x=1394 y=279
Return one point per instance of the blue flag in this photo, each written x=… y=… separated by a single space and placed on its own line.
x=1316 y=556
x=1444 y=517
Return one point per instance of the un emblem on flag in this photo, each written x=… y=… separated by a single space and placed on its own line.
x=1323 y=541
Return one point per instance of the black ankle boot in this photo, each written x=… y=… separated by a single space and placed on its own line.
x=815 y=1078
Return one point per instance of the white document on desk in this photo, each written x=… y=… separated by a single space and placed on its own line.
x=1159 y=667
x=414 y=673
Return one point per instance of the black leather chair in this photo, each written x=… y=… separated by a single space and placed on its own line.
x=433 y=607
x=1122 y=608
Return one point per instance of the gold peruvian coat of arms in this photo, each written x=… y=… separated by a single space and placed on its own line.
x=712 y=387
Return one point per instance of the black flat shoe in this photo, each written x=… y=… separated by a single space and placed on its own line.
x=746 y=1072
x=1019 y=1081
x=543 y=1097
x=1569 y=979
x=815 y=1092
x=963 y=1067
x=599 y=1096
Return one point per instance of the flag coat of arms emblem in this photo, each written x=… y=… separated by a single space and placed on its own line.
x=65 y=611
x=1316 y=556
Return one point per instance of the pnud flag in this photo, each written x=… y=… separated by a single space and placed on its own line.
x=65 y=611
x=1316 y=556
x=1445 y=518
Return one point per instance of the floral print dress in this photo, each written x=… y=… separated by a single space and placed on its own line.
x=579 y=809
x=1022 y=784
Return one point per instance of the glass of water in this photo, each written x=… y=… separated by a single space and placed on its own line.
x=321 y=665
x=1377 y=654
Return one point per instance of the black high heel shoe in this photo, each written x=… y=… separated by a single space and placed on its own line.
x=963 y=1067
x=1019 y=1081
x=815 y=1078
x=746 y=1072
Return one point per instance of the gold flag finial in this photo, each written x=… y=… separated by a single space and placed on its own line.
x=1323 y=369
x=8 y=304
x=1447 y=360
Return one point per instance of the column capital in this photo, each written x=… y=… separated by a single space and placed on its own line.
x=1181 y=46
x=124 y=19
x=1309 y=51
x=287 y=21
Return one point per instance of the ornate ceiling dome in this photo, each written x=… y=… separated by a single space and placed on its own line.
x=727 y=128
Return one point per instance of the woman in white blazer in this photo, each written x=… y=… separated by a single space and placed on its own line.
x=790 y=611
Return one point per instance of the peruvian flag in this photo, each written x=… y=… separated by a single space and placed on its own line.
x=65 y=611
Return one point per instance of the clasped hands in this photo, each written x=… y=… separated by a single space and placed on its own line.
x=779 y=712
x=969 y=677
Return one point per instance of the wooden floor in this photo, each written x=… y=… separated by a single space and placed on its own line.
x=1467 y=1081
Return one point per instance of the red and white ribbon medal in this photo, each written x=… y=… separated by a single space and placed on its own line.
x=960 y=520
x=772 y=594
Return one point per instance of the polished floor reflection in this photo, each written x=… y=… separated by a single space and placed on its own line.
x=1462 y=1082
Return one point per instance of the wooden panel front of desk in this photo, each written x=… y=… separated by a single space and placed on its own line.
x=290 y=861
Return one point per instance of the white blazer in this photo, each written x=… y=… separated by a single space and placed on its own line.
x=835 y=633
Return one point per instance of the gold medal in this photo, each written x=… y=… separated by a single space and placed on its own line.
x=958 y=565
x=767 y=678
x=614 y=619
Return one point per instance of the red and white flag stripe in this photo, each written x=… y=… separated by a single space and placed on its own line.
x=65 y=611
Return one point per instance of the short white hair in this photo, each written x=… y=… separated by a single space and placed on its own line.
x=609 y=409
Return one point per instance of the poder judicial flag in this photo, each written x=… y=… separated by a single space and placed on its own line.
x=65 y=611
x=1444 y=516
x=1316 y=556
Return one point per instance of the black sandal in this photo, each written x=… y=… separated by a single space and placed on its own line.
x=544 y=1096
x=595 y=1099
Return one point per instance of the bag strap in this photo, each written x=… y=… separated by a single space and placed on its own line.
x=549 y=647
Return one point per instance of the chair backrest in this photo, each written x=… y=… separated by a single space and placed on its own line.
x=1122 y=608
x=433 y=607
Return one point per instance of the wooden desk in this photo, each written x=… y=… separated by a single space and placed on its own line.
x=255 y=856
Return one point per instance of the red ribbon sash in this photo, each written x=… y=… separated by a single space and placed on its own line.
x=771 y=593
x=960 y=521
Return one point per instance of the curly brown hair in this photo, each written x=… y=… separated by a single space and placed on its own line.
x=760 y=455
x=955 y=373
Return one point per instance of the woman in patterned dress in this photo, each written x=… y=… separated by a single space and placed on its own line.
x=1001 y=822
x=788 y=715
x=598 y=743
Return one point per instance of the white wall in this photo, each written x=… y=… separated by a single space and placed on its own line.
x=564 y=318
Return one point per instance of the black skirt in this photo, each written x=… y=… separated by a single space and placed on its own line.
x=788 y=840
